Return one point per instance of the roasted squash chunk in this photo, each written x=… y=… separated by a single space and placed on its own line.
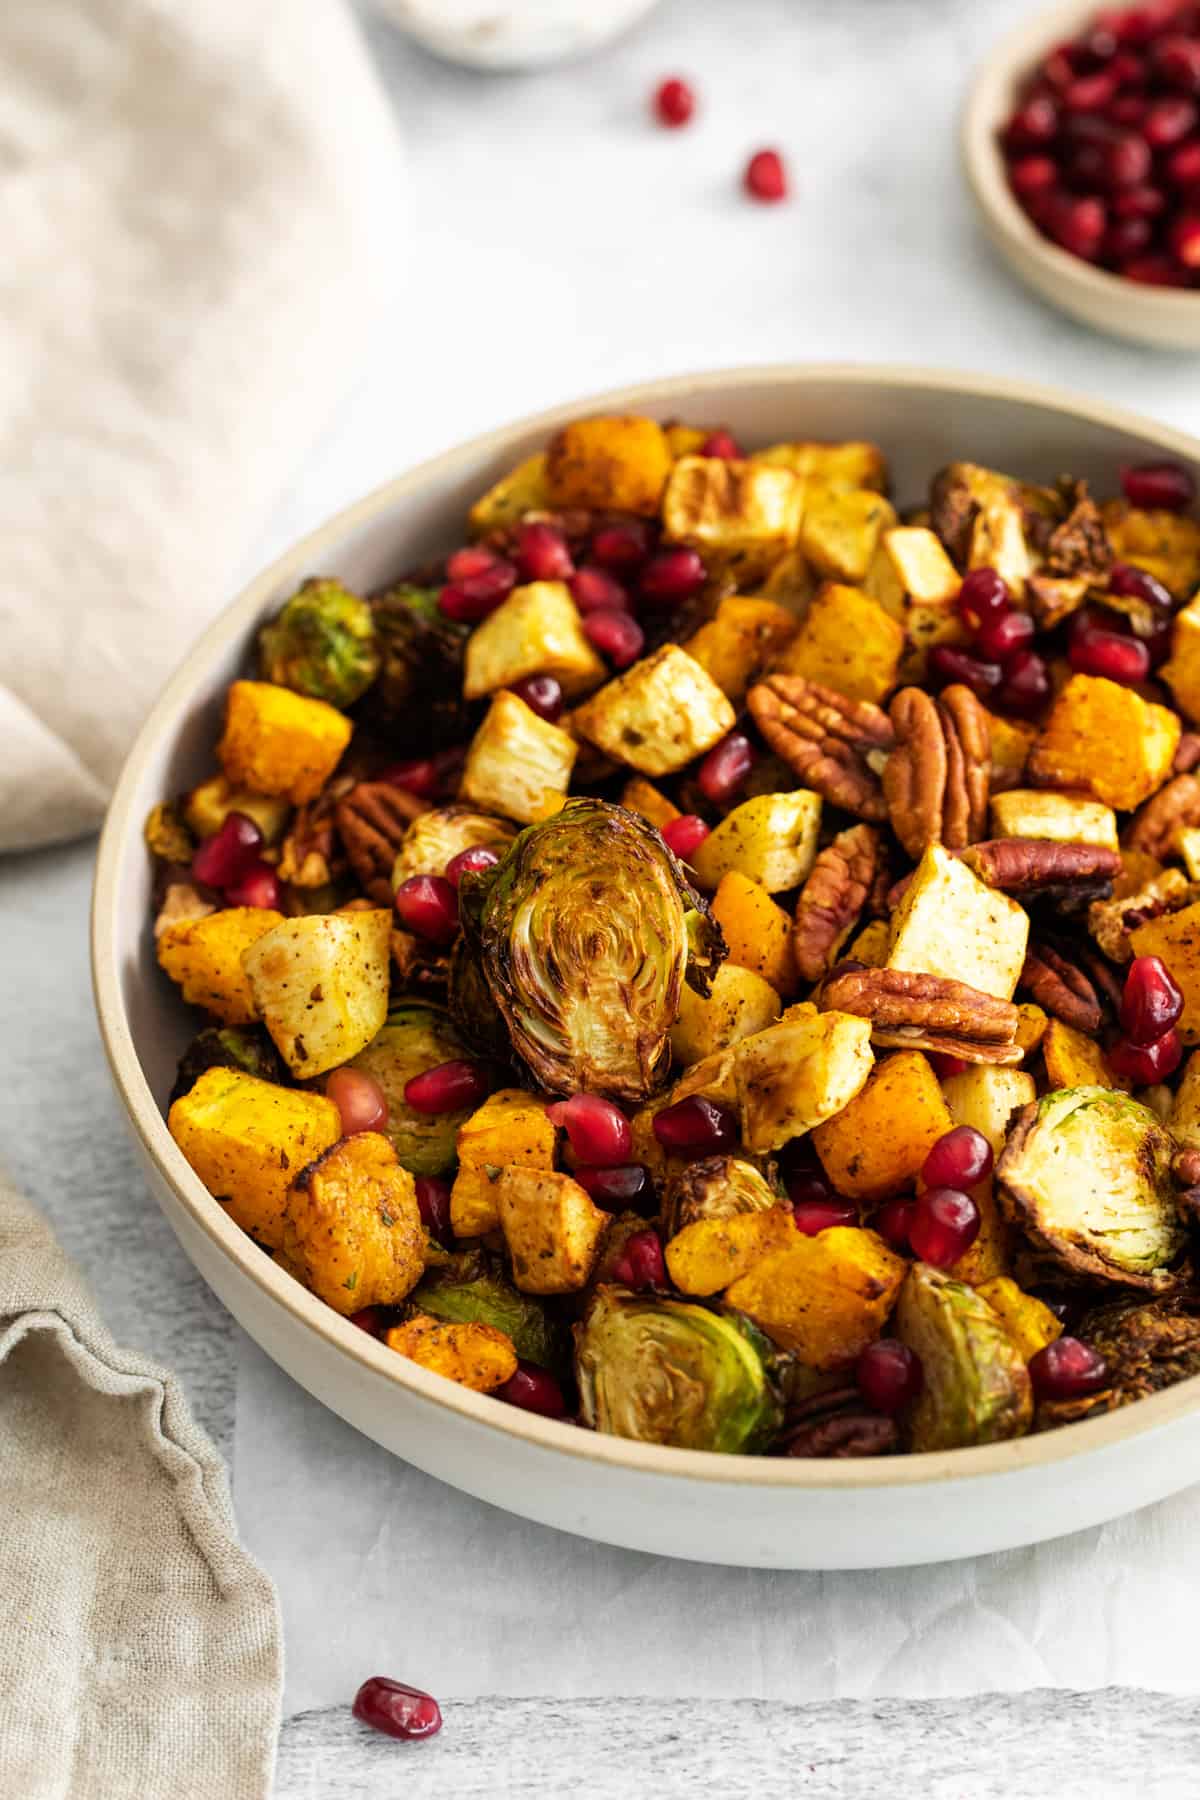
x=1176 y=938
x=711 y=1254
x=279 y=742
x=758 y=933
x=1073 y=1059
x=1182 y=672
x=516 y=761
x=658 y=715
x=825 y=1297
x=477 y=1356
x=552 y=1229
x=320 y=985
x=1107 y=740
x=247 y=1139
x=204 y=955
x=771 y=839
x=738 y=642
x=835 y=466
x=840 y=531
x=536 y=631
x=521 y=491
x=617 y=464
x=741 y=516
x=352 y=1228
x=208 y=806
x=875 y=1146
x=509 y=1129
x=1028 y=1321
x=643 y=797
x=1166 y=544
x=847 y=642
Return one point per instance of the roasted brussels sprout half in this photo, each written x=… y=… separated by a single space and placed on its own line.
x=322 y=644
x=243 y=1047
x=471 y=1290
x=1148 y=1346
x=716 y=1187
x=417 y=698
x=437 y=835
x=666 y=1372
x=977 y=1388
x=1086 y=1173
x=477 y=1018
x=585 y=934
x=416 y=1037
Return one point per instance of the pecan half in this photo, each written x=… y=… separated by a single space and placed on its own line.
x=833 y=897
x=1074 y=873
x=1113 y=922
x=1154 y=825
x=1187 y=756
x=371 y=821
x=837 y=1424
x=1061 y=988
x=825 y=739
x=420 y=968
x=927 y=1012
x=936 y=780
x=309 y=855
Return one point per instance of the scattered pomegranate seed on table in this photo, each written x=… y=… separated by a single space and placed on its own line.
x=449 y=1086
x=889 y=1375
x=427 y=905
x=542 y=694
x=597 y=1129
x=534 y=1390
x=723 y=771
x=616 y=635
x=945 y=1223
x=397 y=1709
x=684 y=835
x=1067 y=1369
x=674 y=102
x=696 y=1127
x=359 y=1099
x=765 y=178
x=433 y=1204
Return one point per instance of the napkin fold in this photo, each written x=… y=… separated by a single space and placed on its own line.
x=200 y=232
x=141 y=1651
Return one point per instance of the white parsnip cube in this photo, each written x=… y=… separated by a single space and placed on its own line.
x=741 y=516
x=740 y=1004
x=658 y=715
x=799 y=1072
x=536 y=631
x=771 y=839
x=840 y=531
x=1065 y=818
x=320 y=985
x=849 y=465
x=515 y=759
x=552 y=1228
x=949 y=923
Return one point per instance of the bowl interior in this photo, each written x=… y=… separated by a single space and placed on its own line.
x=922 y=420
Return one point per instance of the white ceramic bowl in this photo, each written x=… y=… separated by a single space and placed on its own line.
x=727 y=1509
x=514 y=34
x=1168 y=318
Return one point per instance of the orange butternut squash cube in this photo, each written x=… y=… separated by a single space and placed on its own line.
x=278 y=742
x=875 y=1146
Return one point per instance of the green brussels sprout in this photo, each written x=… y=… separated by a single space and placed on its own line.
x=244 y=1047
x=417 y=699
x=668 y=1372
x=586 y=933
x=716 y=1187
x=477 y=1018
x=437 y=835
x=1086 y=1173
x=322 y=644
x=977 y=1388
x=470 y=1289
x=415 y=1037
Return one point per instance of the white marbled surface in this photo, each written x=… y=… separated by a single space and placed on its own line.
x=558 y=244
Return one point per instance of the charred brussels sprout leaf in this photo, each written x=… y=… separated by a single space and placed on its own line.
x=323 y=644
x=471 y=1291
x=228 y=1047
x=716 y=1187
x=477 y=1018
x=415 y=1038
x=1148 y=1346
x=434 y=837
x=584 y=937
x=417 y=698
x=1086 y=1173
x=977 y=1388
x=666 y=1372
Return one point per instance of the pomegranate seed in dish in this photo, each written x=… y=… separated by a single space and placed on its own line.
x=464 y=608
x=1000 y=637
x=958 y=1160
x=368 y=1319
x=1067 y=1369
x=889 y=1375
x=422 y=777
x=725 y=768
x=542 y=694
x=428 y=906
x=449 y=1086
x=359 y=1099
x=596 y=590
x=641 y=1264
x=983 y=595
x=696 y=1127
x=433 y=1203
x=396 y=1709
x=948 y=664
x=1139 y=584
x=683 y=836
x=257 y=886
x=471 y=861
x=624 y=546
x=1151 y=1001
x=674 y=102
x=616 y=635
x=1144 y=1064
x=814 y=1216
x=1026 y=685
x=765 y=178
x=628 y=1185
x=597 y=1129
x=722 y=444
x=534 y=1390
x=232 y=851
x=1108 y=653
x=542 y=553
x=1168 y=121
x=473 y=561
x=893 y=1221
x=945 y=1224
x=671 y=576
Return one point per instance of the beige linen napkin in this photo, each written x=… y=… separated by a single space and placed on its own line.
x=200 y=206
x=140 y=1655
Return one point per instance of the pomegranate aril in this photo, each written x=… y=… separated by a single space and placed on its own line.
x=597 y=1129
x=1026 y=685
x=595 y=590
x=947 y=1067
x=1089 y=93
x=696 y=1127
x=1183 y=164
x=683 y=836
x=945 y=1224
x=893 y=1221
x=889 y=1375
x=533 y=1390
x=983 y=595
x=1150 y=1002
x=491 y=585
x=959 y=1159
x=428 y=906
x=394 y=1708
x=1154 y=271
x=449 y=1086
x=616 y=635
x=1139 y=203
x=234 y=849
x=258 y=886
x=1138 y=584
x=1059 y=68
x=542 y=694
x=674 y=102
x=641 y=1264
x=1107 y=653
x=814 y=1216
x=626 y=1186
x=809 y=1187
x=1066 y=1370
x=946 y=665
x=722 y=444
x=433 y=1204
x=672 y=576
x=1032 y=175
x=723 y=771
x=1144 y=1064
x=1168 y=121
x=471 y=861
x=1033 y=125
x=1183 y=238
x=368 y=1319
x=361 y=1102
x=1176 y=60
x=542 y=552
x=999 y=638
x=1128 y=109
x=465 y=565
x=464 y=609
x=1079 y=226
x=623 y=546
x=1126 y=238
x=1127 y=161
x=422 y=777
x=765 y=177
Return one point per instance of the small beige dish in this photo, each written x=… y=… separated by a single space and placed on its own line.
x=753 y=1511
x=1167 y=318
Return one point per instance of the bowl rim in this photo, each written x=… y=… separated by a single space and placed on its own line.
x=121 y=837
x=988 y=98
